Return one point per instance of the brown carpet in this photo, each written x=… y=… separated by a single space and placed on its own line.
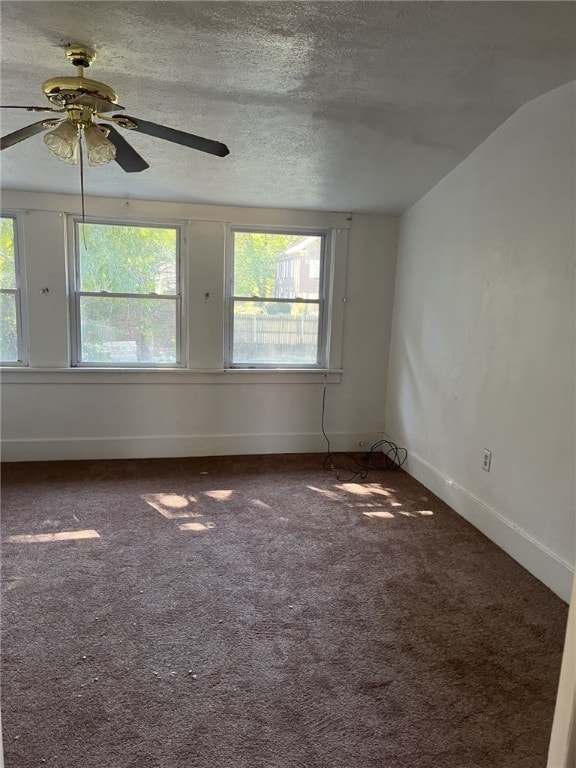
x=255 y=612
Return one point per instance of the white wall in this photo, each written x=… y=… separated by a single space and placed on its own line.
x=483 y=341
x=52 y=412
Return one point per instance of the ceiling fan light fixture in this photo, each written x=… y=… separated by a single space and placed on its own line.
x=85 y=101
x=99 y=148
x=63 y=141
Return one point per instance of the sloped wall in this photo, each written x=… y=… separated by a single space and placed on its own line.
x=483 y=340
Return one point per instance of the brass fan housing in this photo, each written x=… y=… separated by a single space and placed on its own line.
x=63 y=90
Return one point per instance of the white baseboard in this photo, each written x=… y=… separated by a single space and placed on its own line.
x=167 y=446
x=541 y=562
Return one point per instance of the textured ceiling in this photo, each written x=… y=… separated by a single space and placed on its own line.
x=349 y=106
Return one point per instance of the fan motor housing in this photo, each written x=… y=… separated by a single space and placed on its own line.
x=61 y=90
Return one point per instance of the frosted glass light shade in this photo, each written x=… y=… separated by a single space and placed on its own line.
x=63 y=141
x=100 y=149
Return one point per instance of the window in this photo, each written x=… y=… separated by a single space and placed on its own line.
x=277 y=301
x=127 y=302
x=11 y=335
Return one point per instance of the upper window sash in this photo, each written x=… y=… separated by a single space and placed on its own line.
x=168 y=288
x=12 y=292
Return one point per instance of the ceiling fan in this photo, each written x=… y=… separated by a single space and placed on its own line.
x=79 y=102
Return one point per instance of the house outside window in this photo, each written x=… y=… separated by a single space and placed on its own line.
x=126 y=295
x=278 y=298
x=12 y=342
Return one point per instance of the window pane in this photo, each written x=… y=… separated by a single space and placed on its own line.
x=115 y=330
x=277 y=266
x=275 y=332
x=122 y=259
x=7 y=253
x=8 y=332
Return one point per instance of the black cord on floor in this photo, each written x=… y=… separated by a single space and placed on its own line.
x=389 y=458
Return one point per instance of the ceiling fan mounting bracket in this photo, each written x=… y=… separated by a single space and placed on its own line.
x=80 y=55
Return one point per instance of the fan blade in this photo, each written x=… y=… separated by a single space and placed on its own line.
x=29 y=109
x=178 y=137
x=126 y=156
x=23 y=133
x=100 y=105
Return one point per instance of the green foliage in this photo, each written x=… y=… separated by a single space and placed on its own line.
x=132 y=330
x=128 y=259
x=8 y=333
x=8 y=326
x=7 y=256
x=255 y=256
x=279 y=309
x=122 y=259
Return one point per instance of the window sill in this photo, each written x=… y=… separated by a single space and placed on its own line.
x=170 y=376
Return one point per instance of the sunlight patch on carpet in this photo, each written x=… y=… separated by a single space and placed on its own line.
x=260 y=504
x=198 y=527
x=173 y=506
x=219 y=495
x=325 y=492
x=364 y=489
x=40 y=538
x=378 y=513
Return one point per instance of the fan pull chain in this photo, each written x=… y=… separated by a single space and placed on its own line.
x=82 y=188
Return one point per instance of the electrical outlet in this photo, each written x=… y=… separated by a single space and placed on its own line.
x=486 y=460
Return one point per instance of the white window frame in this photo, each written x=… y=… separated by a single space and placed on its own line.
x=19 y=292
x=324 y=300
x=75 y=292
